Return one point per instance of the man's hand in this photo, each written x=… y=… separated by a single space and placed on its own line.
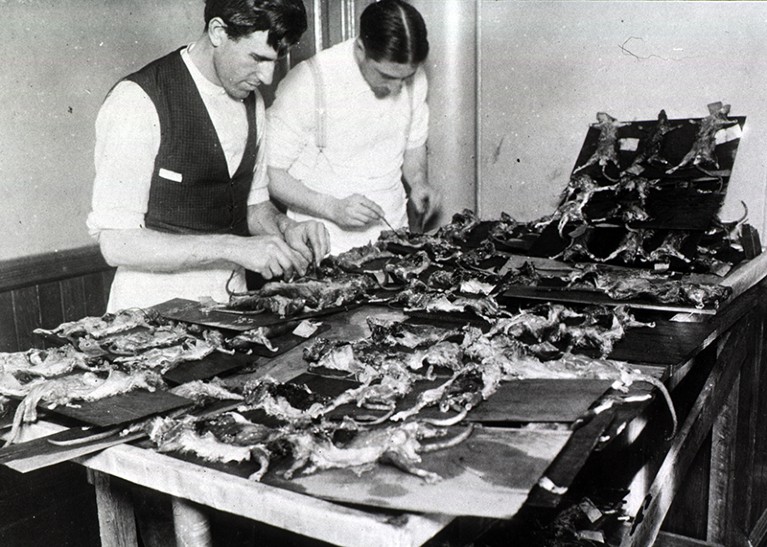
x=355 y=211
x=310 y=239
x=270 y=256
x=425 y=199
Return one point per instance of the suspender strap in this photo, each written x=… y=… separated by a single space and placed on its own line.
x=320 y=135
x=411 y=88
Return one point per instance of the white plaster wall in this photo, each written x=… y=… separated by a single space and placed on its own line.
x=59 y=59
x=547 y=68
x=452 y=70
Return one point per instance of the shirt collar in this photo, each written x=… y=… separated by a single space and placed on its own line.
x=204 y=85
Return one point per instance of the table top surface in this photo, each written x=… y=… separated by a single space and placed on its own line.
x=497 y=468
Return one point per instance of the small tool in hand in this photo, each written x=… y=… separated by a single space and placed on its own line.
x=387 y=223
x=396 y=233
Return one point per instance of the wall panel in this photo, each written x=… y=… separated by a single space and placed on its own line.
x=73 y=299
x=46 y=290
x=49 y=295
x=26 y=311
x=8 y=341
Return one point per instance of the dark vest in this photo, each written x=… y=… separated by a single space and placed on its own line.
x=191 y=191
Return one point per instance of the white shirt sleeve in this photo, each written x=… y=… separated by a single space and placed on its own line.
x=127 y=141
x=259 y=190
x=419 y=125
x=291 y=118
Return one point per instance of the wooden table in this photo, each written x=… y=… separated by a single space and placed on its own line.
x=711 y=367
x=193 y=487
x=701 y=481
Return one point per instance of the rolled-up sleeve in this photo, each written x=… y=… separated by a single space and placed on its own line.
x=291 y=117
x=127 y=141
x=419 y=126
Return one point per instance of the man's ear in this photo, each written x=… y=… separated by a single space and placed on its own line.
x=217 y=31
x=359 y=50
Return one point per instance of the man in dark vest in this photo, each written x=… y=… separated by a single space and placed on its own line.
x=180 y=198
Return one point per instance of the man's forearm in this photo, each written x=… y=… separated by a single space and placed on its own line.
x=293 y=193
x=415 y=168
x=149 y=250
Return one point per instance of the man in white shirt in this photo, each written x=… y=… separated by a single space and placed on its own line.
x=350 y=124
x=180 y=199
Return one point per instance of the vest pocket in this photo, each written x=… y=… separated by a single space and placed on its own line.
x=170 y=175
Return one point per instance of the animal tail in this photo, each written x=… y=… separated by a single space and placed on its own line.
x=449 y=443
x=742 y=219
x=639 y=377
x=229 y=290
x=368 y=420
x=447 y=422
x=605 y=175
x=712 y=174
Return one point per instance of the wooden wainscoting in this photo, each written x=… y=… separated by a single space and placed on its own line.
x=54 y=506
x=46 y=290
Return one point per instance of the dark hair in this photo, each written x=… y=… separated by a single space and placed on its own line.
x=394 y=31
x=284 y=19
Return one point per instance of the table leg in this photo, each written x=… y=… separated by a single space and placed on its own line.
x=721 y=480
x=191 y=524
x=117 y=523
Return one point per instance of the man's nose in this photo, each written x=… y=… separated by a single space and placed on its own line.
x=265 y=73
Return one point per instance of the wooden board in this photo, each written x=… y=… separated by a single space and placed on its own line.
x=123 y=408
x=333 y=523
x=570 y=460
x=556 y=294
x=668 y=343
x=675 y=145
x=51 y=444
x=479 y=478
x=488 y=475
x=326 y=386
x=528 y=401
x=451 y=319
x=215 y=364
x=42 y=452
x=189 y=311
x=537 y=401
x=682 y=203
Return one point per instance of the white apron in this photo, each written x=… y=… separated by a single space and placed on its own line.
x=132 y=288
